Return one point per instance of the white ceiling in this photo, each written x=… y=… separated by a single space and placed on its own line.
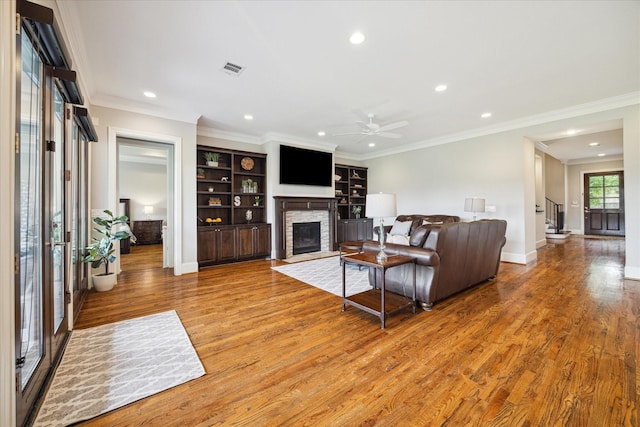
x=518 y=60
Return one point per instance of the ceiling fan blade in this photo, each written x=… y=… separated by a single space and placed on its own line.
x=395 y=125
x=389 y=135
x=361 y=139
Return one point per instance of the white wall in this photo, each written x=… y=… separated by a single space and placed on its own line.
x=7 y=155
x=104 y=179
x=144 y=184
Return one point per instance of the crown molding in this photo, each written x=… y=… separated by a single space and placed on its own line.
x=588 y=160
x=301 y=142
x=229 y=136
x=606 y=104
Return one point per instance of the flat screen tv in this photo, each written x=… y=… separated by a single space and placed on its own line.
x=300 y=166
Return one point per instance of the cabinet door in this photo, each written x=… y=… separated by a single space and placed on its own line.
x=206 y=248
x=365 y=229
x=245 y=242
x=262 y=240
x=226 y=244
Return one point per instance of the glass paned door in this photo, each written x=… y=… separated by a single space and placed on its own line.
x=30 y=335
x=56 y=218
x=604 y=204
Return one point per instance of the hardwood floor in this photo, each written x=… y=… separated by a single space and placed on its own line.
x=555 y=342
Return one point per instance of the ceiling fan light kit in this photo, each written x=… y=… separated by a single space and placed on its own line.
x=374 y=129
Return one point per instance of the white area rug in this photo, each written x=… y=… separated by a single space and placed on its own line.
x=109 y=366
x=326 y=274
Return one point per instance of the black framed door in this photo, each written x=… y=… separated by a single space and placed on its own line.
x=604 y=204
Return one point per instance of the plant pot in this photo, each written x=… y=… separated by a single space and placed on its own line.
x=214 y=164
x=104 y=282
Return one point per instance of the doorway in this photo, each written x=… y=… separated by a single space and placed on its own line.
x=145 y=181
x=604 y=204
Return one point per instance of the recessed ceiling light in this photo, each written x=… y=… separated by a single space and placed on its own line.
x=594 y=144
x=601 y=155
x=321 y=133
x=248 y=117
x=372 y=144
x=441 y=88
x=149 y=94
x=572 y=132
x=356 y=38
x=485 y=115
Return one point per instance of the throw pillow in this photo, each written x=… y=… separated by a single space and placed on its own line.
x=400 y=228
x=425 y=222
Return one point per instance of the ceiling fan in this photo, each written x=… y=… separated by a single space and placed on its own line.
x=374 y=129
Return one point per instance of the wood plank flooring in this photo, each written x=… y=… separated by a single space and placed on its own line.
x=555 y=342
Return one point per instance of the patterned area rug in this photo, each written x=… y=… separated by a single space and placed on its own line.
x=326 y=274
x=109 y=366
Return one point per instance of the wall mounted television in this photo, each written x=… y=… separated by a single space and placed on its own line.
x=300 y=166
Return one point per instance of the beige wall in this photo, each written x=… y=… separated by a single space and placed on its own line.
x=554 y=179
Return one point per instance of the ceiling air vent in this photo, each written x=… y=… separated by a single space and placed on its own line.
x=232 y=69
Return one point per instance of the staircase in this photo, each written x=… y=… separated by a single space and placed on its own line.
x=554 y=213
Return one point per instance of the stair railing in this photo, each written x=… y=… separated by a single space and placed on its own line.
x=554 y=213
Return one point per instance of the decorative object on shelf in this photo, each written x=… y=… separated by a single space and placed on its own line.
x=356 y=211
x=355 y=193
x=343 y=201
x=211 y=158
x=247 y=163
x=380 y=206
x=224 y=179
x=248 y=215
x=101 y=250
x=357 y=185
x=200 y=173
x=355 y=175
x=338 y=192
x=215 y=201
x=257 y=202
x=210 y=189
x=337 y=177
x=212 y=221
x=473 y=204
x=249 y=186
x=236 y=200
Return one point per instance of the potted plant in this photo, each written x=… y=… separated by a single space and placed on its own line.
x=211 y=158
x=101 y=251
x=356 y=211
x=200 y=173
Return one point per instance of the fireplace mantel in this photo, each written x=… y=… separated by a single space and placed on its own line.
x=285 y=204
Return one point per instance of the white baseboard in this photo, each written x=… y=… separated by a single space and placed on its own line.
x=190 y=267
x=632 y=273
x=519 y=258
x=541 y=243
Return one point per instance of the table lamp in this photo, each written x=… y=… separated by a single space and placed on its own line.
x=380 y=205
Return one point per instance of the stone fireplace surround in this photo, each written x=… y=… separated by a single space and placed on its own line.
x=303 y=209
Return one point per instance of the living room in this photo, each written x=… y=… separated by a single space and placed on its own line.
x=431 y=172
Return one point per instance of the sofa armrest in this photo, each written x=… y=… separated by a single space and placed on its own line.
x=387 y=229
x=426 y=257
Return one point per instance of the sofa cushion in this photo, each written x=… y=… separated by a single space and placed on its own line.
x=419 y=235
x=398 y=239
x=400 y=228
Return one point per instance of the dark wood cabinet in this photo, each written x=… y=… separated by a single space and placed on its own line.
x=254 y=241
x=148 y=232
x=231 y=195
x=217 y=244
x=350 y=230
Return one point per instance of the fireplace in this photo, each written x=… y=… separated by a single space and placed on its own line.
x=306 y=237
x=292 y=210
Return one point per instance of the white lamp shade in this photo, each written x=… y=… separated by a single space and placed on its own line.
x=381 y=205
x=148 y=210
x=473 y=204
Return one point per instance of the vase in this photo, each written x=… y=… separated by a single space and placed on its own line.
x=104 y=282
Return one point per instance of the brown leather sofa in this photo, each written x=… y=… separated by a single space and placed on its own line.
x=450 y=258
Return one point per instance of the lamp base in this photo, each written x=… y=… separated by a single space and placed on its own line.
x=381 y=256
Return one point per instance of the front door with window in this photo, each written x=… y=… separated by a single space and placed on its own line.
x=604 y=203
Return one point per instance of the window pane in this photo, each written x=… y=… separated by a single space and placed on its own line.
x=612 y=203
x=612 y=180
x=612 y=192
x=596 y=192
x=596 y=181
x=30 y=205
x=595 y=204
